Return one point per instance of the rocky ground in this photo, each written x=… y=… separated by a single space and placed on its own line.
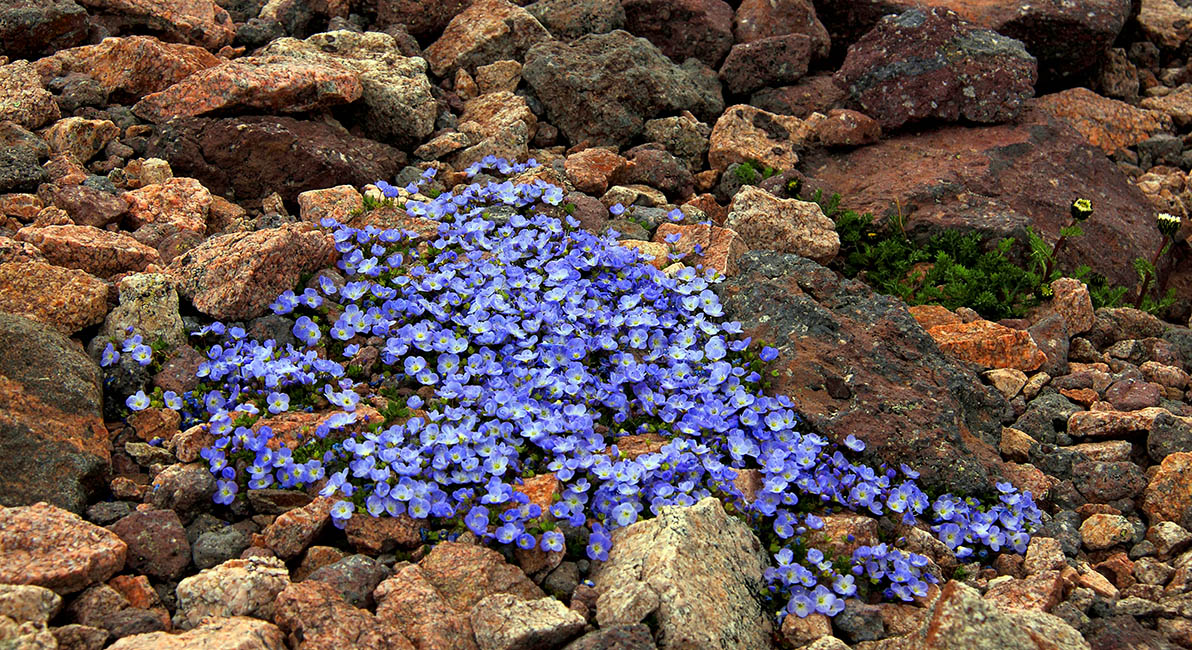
x=164 y=164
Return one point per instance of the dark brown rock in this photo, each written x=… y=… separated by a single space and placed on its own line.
x=157 y=544
x=683 y=29
x=31 y=28
x=758 y=19
x=773 y=61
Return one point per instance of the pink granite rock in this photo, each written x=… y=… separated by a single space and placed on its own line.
x=46 y=546
x=99 y=252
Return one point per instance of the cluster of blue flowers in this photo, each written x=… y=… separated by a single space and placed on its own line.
x=544 y=346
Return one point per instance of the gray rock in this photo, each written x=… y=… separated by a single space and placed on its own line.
x=234 y=588
x=184 y=488
x=507 y=622
x=569 y=19
x=626 y=604
x=620 y=637
x=1168 y=435
x=149 y=305
x=20 y=171
x=706 y=568
x=354 y=577
x=213 y=548
x=1046 y=417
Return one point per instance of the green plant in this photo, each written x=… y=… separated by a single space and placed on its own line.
x=1168 y=226
x=752 y=172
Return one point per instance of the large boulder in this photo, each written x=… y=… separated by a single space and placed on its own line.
x=53 y=444
x=997 y=180
x=856 y=362
x=49 y=547
x=683 y=29
x=485 y=32
x=252 y=157
x=198 y=22
x=703 y=567
x=1067 y=38
x=397 y=104
x=129 y=67
x=601 y=88
x=923 y=65
x=30 y=28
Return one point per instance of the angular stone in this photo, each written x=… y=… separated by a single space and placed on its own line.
x=149 y=305
x=683 y=29
x=747 y=134
x=1169 y=538
x=354 y=578
x=758 y=19
x=816 y=93
x=99 y=252
x=846 y=128
x=316 y=613
x=1168 y=496
x=846 y=360
x=237 y=276
x=274 y=84
x=1108 y=124
x=252 y=157
x=23 y=100
x=464 y=575
x=64 y=299
x=368 y=534
x=336 y=202
x=766 y=62
x=1176 y=105
x=1044 y=554
x=1105 y=424
x=409 y=601
x=80 y=137
x=295 y=529
x=600 y=89
x=626 y=604
x=487 y=31
x=29 y=603
x=719 y=248
x=499 y=124
x=767 y=222
x=1007 y=381
x=988 y=344
x=200 y=22
x=31 y=28
x=1070 y=299
x=157 y=544
x=1040 y=591
x=231 y=633
x=396 y=94
x=129 y=67
x=931 y=64
x=49 y=547
x=568 y=20
x=234 y=588
x=1106 y=482
x=589 y=170
x=1103 y=531
x=507 y=622
x=684 y=136
x=684 y=555
x=1165 y=23
x=88 y=206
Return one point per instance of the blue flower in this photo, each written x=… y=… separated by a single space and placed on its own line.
x=138 y=401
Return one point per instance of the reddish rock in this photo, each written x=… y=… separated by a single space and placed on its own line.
x=129 y=67
x=1103 y=531
x=22 y=206
x=931 y=64
x=236 y=276
x=997 y=180
x=1040 y=591
x=744 y=133
x=589 y=170
x=335 y=202
x=409 y=601
x=1168 y=496
x=295 y=529
x=375 y=535
x=315 y=615
x=423 y=18
x=201 y=22
x=12 y=250
x=568 y=20
x=989 y=344
x=1105 y=482
x=1165 y=23
x=99 y=252
x=231 y=633
x=157 y=544
x=651 y=164
x=65 y=170
x=929 y=316
x=683 y=29
x=1119 y=569
x=500 y=124
x=64 y=299
x=180 y=202
x=758 y=19
x=234 y=588
x=846 y=128
x=485 y=32
x=767 y=222
x=816 y=93
x=844 y=533
x=718 y=248
x=88 y=206
x=31 y=28
x=1044 y=554
x=252 y=157
x=49 y=547
x=1107 y=124
x=1082 y=396
x=1105 y=424
x=23 y=100
x=80 y=137
x=274 y=84
x=766 y=62
x=465 y=574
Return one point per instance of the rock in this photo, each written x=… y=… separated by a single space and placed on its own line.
x=1123 y=632
x=747 y=134
x=568 y=19
x=215 y=547
x=423 y=19
x=626 y=604
x=767 y=222
x=294 y=530
x=129 y=67
x=1107 y=124
x=396 y=95
x=700 y=29
x=234 y=588
x=590 y=170
x=1106 y=482
x=1105 y=424
x=1132 y=395
x=409 y=601
x=601 y=88
x=487 y=31
x=183 y=488
x=149 y=305
x=989 y=172
x=1165 y=23
x=157 y=544
x=232 y=633
x=1176 y=105
x=1168 y=496
x=179 y=203
x=237 y=276
x=1169 y=434
x=651 y=165
x=988 y=344
x=1071 y=301
x=335 y=202
x=621 y=637
x=53 y=443
x=99 y=252
x=948 y=420
x=1103 y=531
x=774 y=61
x=88 y=206
x=1044 y=554
x=80 y=137
x=29 y=603
x=1050 y=335
x=719 y=248
x=49 y=547
x=816 y=93
x=64 y=299
x=31 y=28
x=200 y=22
x=507 y=622
x=377 y=535
x=1039 y=591
x=1169 y=538
x=846 y=128
x=274 y=84
x=23 y=100
x=684 y=136
x=497 y=124
x=353 y=578
x=1007 y=381
x=685 y=555
x=464 y=575
x=315 y=615
x=759 y=19
x=931 y=64
x=252 y=157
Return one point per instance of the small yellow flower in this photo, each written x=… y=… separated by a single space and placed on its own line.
x=1169 y=224
x=1082 y=209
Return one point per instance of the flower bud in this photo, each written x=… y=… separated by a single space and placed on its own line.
x=1169 y=224
x=1082 y=209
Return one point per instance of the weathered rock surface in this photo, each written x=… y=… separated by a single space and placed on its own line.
x=49 y=547
x=30 y=28
x=129 y=67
